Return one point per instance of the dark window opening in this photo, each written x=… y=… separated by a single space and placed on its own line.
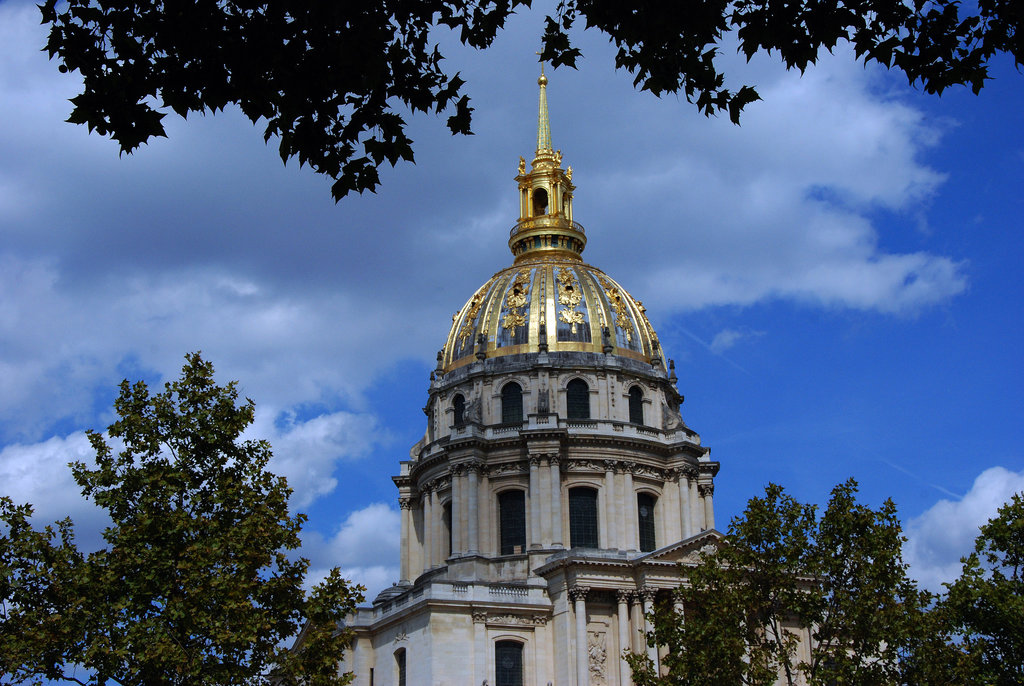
x=446 y=518
x=577 y=397
x=512 y=522
x=508 y=663
x=540 y=202
x=511 y=404
x=400 y=665
x=636 y=405
x=459 y=406
x=583 y=518
x=645 y=519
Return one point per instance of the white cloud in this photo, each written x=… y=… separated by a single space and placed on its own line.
x=365 y=547
x=937 y=539
x=727 y=338
x=307 y=453
x=39 y=474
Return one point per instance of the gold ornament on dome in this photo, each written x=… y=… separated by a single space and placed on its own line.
x=474 y=308
x=647 y=322
x=516 y=299
x=618 y=305
x=570 y=295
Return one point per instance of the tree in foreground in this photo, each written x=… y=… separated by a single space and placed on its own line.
x=197 y=583
x=332 y=80
x=986 y=604
x=783 y=572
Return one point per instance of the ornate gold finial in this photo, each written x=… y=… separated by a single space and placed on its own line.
x=543 y=126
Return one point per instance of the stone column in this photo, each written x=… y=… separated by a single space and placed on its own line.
x=405 y=504
x=436 y=525
x=629 y=503
x=427 y=496
x=556 y=502
x=484 y=515
x=624 y=636
x=474 y=493
x=636 y=633
x=696 y=516
x=578 y=594
x=545 y=507
x=613 y=537
x=481 y=655
x=458 y=503
x=706 y=492
x=647 y=594
x=684 y=506
x=535 y=498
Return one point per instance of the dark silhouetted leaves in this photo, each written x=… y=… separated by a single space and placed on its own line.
x=325 y=78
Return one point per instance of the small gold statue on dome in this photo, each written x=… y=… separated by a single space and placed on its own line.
x=522 y=165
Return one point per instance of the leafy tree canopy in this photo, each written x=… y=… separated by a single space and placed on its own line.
x=986 y=604
x=784 y=570
x=196 y=583
x=332 y=79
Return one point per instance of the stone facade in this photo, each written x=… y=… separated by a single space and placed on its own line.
x=556 y=492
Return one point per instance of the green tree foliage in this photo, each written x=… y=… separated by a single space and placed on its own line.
x=986 y=604
x=782 y=570
x=196 y=583
x=332 y=79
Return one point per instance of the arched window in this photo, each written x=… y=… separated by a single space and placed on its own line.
x=512 y=522
x=645 y=520
x=577 y=398
x=400 y=666
x=446 y=520
x=508 y=663
x=511 y=404
x=636 y=405
x=583 y=517
x=459 y=406
x=540 y=202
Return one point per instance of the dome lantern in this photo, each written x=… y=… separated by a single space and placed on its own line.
x=545 y=226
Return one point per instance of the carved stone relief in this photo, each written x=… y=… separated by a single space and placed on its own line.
x=597 y=655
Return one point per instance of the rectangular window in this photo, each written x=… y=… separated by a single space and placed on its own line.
x=583 y=518
x=512 y=522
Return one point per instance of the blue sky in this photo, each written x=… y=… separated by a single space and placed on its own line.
x=837 y=281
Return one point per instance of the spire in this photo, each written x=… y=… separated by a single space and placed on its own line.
x=543 y=126
x=545 y=226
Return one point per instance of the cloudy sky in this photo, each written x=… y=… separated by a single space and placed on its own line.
x=837 y=280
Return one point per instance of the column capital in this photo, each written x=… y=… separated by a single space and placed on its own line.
x=610 y=465
x=535 y=460
x=705 y=490
x=578 y=592
x=406 y=503
x=624 y=596
x=647 y=594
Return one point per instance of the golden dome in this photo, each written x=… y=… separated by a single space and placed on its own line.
x=549 y=300
x=549 y=305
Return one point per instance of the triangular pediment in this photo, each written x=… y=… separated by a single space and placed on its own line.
x=686 y=551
